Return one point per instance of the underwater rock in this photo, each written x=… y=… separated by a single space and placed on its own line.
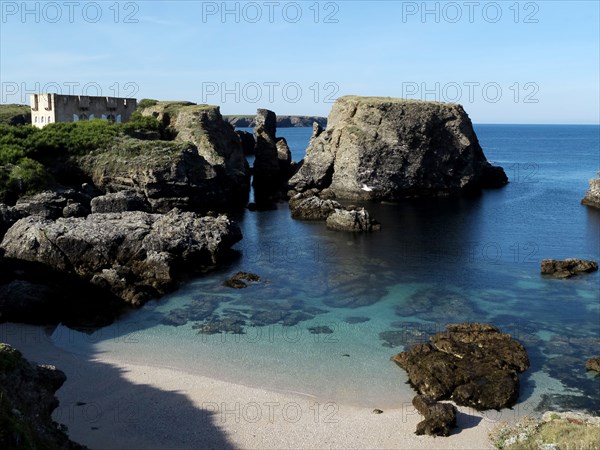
x=356 y=319
x=322 y=329
x=238 y=281
x=593 y=364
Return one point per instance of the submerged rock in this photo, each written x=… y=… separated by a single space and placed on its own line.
x=592 y=197
x=26 y=403
x=440 y=418
x=135 y=255
x=473 y=364
x=378 y=148
x=238 y=281
x=567 y=268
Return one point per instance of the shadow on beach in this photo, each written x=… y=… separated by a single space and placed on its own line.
x=102 y=408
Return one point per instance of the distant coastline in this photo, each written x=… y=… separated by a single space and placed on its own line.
x=248 y=121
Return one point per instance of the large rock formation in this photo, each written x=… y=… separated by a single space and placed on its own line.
x=592 y=197
x=26 y=404
x=355 y=220
x=203 y=168
x=378 y=148
x=472 y=364
x=566 y=268
x=134 y=255
x=273 y=161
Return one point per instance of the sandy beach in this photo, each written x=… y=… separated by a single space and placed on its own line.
x=109 y=404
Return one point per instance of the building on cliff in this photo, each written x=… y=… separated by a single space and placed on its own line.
x=50 y=108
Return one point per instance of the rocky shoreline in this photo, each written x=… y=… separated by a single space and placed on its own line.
x=246 y=121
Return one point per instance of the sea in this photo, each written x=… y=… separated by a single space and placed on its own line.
x=331 y=308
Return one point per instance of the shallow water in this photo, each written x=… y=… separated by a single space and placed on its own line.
x=434 y=262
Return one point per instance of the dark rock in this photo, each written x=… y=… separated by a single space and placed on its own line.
x=473 y=364
x=135 y=255
x=322 y=329
x=567 y=268
x=247 y=141
x=217 y=326
x=437 y=305
x=440 y=418
x=593 y=364
x=307 y=206
x=238 y=281
x=356 y=220
x=51 y=204
x=121 y=201
x=272 y=164
x=377 y=411
x=75 y=210
x=8 y=217
x=592 y=197
x=378 y=148
x=26 y=403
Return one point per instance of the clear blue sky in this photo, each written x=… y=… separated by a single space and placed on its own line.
x=506 y=61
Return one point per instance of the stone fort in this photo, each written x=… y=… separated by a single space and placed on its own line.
x=50 y=108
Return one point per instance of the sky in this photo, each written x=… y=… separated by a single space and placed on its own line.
x=504 y=61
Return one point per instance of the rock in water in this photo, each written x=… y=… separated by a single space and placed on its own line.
x=26 y=403
x=379 y=148
x=566 y=268
x=593 y=364
x=592 y=197
x=310 y=206
x=439 y=417
x=355 y=220
x=473 y=364
x=136 y=255
x=273 y=162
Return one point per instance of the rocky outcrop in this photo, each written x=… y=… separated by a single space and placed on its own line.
x=593 y=364
x=440 y=418
x=54 y=204
x=567 y=268
x=273 y=161
x=592 y=197
x=282 y=121
x=311 y=206
x=117 y=202
x=472 y=364
x=203 y=168
x=247 y=142
x=356 y=220
x=378 y=148
x=8 y=216
x=134 y=255
x=26 y=404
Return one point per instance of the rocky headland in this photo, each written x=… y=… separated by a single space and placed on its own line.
x=592 y=197
x=26 y=404
x=380 y=148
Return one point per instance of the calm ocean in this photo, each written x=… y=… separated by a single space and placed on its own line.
x=434 y=262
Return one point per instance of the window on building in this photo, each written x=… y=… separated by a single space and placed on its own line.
x=35 y=119
x=49 y=119
x=91 y=116
x=42 y=119
x=75 y=118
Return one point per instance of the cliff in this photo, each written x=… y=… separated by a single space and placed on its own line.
x=380 y=148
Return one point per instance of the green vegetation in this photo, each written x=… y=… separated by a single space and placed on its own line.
x=28 y=154
x=559 y=431
x=146 y=103
x=15 y=114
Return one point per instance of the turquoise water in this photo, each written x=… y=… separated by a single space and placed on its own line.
x=332 y=308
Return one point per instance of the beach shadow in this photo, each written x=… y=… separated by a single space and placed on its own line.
x=103 y=408
x=465 y=421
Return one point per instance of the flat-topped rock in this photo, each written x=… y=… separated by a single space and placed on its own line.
x=380 y=148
